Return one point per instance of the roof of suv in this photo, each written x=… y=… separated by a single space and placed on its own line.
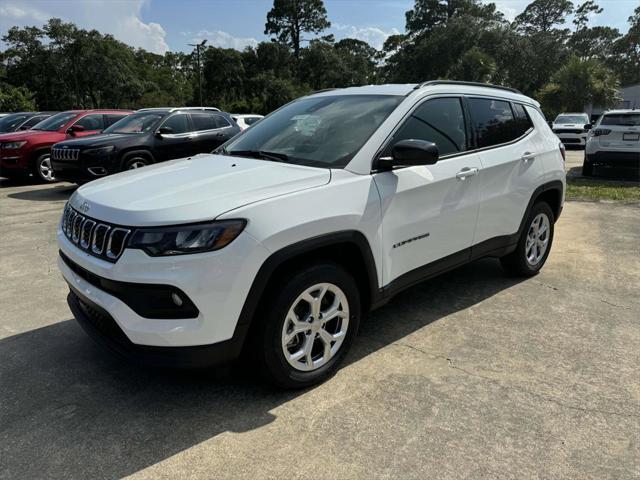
x=177 y=109
x=626 y=110
x=435 y=86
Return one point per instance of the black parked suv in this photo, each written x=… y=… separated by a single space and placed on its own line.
x=147 y=136
x=22 y=120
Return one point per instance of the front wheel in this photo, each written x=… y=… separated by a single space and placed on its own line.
x=587 y=167
x=310 y=322
x=534 y=244
x=136 y=162
x=43 y=169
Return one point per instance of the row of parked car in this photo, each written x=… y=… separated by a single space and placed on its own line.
x=82 y=145
x=612 y=141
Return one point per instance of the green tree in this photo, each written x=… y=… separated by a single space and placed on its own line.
x=626 y=52
x=288 y=20
x=543 y=15
x=15 y=99
x=474 y=66
x=577 y=84
x=429 y=14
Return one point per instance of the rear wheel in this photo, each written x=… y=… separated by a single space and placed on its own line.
x=43 y=170
x=310 y=322
x=534 y=244
x=587 y=167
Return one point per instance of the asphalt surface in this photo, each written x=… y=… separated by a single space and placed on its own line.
x=470 y=375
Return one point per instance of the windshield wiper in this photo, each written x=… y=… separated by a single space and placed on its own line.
x=273 y=156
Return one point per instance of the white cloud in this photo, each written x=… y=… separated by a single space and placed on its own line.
x=374 y=36
x=121 y=18
x=218 y=38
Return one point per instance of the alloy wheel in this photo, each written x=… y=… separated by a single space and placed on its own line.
x=537 y=239
x=46 y=170
x=136 y=163
x=315 y=327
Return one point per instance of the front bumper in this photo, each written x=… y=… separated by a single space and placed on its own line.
x=101 y=326
x=216 y=282
x=12 y=163
x=573 y=138
x=83 y=169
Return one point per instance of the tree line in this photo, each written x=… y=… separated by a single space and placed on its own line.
x=60 y=66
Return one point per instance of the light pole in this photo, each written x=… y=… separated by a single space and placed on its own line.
x=198 y=46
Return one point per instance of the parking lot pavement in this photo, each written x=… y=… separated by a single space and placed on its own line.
x=470 y=375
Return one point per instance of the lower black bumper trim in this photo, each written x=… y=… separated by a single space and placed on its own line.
x=101 y=326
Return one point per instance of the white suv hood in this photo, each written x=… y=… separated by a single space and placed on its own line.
x=191 y=190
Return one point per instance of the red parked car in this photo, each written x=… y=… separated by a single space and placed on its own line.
x=28 y=152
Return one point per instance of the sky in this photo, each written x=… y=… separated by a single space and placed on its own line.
x=161 y=25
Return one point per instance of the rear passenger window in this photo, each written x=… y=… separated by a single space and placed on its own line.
x=208 y=121
x=493 y=121
x=251 y=120
x=523 y=122
x=440 y=121
x=33 y=121
x=91 y=122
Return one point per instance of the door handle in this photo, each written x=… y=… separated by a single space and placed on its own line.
x=528 y=157
x=466 y=172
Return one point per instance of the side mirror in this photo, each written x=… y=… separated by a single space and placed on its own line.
x=408 y=153
x=164 y=131
x=73 y=129
x=588 y=126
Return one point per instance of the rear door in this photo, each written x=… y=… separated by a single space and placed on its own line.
x=211 y=130
x=429 y=212
x=512 y=166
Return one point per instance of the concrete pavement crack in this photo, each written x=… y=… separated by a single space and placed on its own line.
x=515 y=387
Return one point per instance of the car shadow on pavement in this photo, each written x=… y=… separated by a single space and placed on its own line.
x=604 y=173
x=70 y=410
x=55 y=192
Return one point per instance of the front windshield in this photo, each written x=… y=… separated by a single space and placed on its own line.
x=11 y=122
x=572 y=119
x=324 y=131
x=55 y=122
x=136 y=123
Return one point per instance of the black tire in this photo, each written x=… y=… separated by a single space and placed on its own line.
x=516 y=262
x=266 y=348
x=130 y=162
x=42 y=170
x=587 y=167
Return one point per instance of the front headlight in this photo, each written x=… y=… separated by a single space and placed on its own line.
x=200 y=237
x=13 y=145
x=99 y=152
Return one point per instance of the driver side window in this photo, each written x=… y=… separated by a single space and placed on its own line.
x=91 y=122
x=440 y=121
x=179 y=123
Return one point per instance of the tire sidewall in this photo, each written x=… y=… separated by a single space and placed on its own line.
x=277 y=367
x=135 y=157
x=538 y=208
x=39 y=159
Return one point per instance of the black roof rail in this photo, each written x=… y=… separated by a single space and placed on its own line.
x=470 y=84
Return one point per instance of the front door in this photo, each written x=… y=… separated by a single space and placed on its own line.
x=177 y=143
x=429 y=212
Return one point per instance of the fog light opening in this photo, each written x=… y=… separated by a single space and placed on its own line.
x=98 y=171
x=176 y=299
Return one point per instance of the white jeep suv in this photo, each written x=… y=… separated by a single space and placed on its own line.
x=277 y=245
x=572 y=128
x=614 y=142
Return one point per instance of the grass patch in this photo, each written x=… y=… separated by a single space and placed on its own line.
x=591 y=189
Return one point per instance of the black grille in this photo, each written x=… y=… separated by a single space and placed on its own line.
x=100 y=239
x=569 y=130
x=68 y=154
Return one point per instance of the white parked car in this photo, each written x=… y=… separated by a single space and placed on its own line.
x=278 y=244
x=614 y=142
x=572 y=128
x=244 y=121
